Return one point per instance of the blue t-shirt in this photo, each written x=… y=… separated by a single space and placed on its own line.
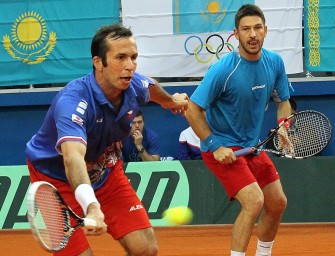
x=235 y=93
x=81 y=112
x=150 y=143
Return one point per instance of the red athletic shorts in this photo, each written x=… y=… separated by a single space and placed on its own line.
x=244 y=171
x=116 y=198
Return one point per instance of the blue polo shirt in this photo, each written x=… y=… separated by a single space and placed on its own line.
x=235 y=93
x=150 y=143
x=81 y=112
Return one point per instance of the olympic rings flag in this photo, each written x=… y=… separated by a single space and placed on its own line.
x=182 y=38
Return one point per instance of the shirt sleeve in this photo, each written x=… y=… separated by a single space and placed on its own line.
x=71 y=119
x=282 y=86
x=141 y=84
x=209 y=88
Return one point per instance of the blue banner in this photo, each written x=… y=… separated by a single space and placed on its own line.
x=48 y=41
x=209 y=16
x=319 y=35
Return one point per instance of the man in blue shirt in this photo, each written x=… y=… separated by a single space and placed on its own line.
x=189 y=145
x=78 y=147
x=142 y=144
x=226 y=111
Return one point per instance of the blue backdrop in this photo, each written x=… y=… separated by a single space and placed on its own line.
x=21 y=114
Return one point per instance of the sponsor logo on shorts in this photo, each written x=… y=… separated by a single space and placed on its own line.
x=135 y=207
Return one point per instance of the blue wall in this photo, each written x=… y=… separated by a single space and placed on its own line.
x=21 y=114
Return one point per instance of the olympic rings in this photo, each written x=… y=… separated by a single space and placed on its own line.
x=201 y=45
x=220 y=47
x=196 y=54
x=229 y=45
x=209 y=48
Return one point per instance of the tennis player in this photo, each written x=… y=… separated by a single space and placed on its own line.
x=234 y=94
x=78 y=147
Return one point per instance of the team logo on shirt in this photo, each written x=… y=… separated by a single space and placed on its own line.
x=145 y=83
x=77 y=119
x=130 y=114
x=258 y=87
x=100 y=120
x=82 y=106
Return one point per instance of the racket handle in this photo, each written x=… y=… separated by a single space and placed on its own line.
x=89 y=223
x=244 y=151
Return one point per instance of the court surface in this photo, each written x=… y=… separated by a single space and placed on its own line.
x=202 y=240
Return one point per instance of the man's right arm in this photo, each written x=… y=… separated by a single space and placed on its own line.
x=196 y=118
x=76 y=171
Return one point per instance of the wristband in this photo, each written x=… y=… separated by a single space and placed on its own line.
x=84 y=194
x=286 y=124
x=212 y=143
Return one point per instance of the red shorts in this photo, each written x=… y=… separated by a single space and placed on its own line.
x=244 y=171
x=122 y=208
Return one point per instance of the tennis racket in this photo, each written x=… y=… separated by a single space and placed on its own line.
x=309 y=132
x=49 y=217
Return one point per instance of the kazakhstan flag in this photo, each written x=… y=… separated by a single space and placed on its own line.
x=48 y=41
x=202 y=16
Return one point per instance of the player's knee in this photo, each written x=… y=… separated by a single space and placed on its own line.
x=281 y=203
x=147 y=250
x=152 y=250
x=277 y=206
x=254 y=206
x=146 y=247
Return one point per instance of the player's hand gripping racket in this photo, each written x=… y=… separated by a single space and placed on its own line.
x=49 y=217
x=309 y=133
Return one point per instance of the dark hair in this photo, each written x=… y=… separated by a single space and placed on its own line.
x=140 y=114
x=99 y=46
x=248 y=10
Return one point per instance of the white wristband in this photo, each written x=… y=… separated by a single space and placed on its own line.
x=84 y=194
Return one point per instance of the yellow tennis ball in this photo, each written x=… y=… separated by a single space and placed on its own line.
x=180 y=215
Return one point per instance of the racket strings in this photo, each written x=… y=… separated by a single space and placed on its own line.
x=309 y=133
x=55 y=220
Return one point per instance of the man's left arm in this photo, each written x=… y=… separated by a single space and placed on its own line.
x=284 y=109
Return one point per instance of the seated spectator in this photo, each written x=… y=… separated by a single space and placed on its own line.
x=189 y=145
x=142 y=143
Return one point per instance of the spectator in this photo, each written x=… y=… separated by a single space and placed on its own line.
x=142 y=144
x=189 y=145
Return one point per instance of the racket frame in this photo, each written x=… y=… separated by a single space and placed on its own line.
x=67 y=213
x=257 y=149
